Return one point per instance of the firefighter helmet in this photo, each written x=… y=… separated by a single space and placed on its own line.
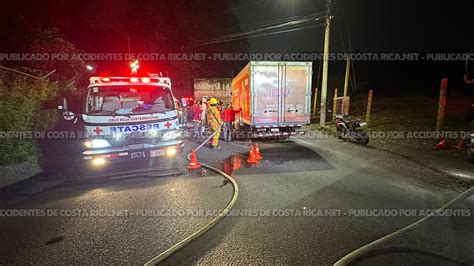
x=213 y=101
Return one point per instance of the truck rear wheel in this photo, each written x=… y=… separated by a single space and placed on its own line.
x=242 y=132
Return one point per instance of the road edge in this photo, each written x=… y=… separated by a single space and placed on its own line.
x=455 y=178
x=15 y=173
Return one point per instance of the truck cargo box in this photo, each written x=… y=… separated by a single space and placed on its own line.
x=273 y=95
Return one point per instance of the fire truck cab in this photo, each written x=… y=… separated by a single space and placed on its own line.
x=128 y=118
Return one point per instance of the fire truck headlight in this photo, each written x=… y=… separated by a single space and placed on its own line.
x=171 y=151
x=97 y=143
x=88 y=144
x=98 y=161
x=170 y=135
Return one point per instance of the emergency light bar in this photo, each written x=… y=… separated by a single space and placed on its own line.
x=102 y=80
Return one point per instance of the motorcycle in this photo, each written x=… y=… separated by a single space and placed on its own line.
x=351 y=129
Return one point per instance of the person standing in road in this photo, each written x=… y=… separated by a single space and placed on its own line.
x=214 y=121
x=197 y=110
x=229 y=119
x=204 y=106
x=184 y=115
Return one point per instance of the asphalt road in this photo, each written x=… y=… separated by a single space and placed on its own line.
x=305 y=202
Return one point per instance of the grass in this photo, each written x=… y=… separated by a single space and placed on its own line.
x=415 y=113
x=407 y=114
x=410 y=114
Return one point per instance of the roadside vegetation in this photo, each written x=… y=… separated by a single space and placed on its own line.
x=21 y=100
x=28 y=104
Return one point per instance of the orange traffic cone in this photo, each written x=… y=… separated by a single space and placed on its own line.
x=258 y=156
x=252 y=158
x=193 y=163
x=460 y=145
x=442 y=145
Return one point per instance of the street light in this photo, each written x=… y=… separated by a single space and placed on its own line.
x=89 y=67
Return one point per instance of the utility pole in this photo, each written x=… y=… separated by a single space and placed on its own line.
x=315 y=103
x=346 y=80
x=369 y=107
x=441 y=105
x=324 y=85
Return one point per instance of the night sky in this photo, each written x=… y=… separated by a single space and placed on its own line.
x=374 y=26
x=370 y=26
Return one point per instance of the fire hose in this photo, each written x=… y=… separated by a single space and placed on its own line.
x=341 y=262
x=181 y=244
x=366 y=248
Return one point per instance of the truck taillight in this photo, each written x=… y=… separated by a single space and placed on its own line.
x=133 y=79
x=146 y=80
x=105 y=79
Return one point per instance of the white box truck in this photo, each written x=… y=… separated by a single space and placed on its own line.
x=275 y=98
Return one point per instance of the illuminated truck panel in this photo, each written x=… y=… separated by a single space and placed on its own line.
x=273 y=94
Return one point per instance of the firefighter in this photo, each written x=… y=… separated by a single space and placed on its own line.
x=214 y=121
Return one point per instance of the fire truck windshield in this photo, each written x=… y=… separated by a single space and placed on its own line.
x=126 y=100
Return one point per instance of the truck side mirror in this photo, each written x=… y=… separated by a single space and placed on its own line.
x=66 y=114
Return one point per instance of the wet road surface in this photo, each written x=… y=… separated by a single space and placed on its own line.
x=304 y=202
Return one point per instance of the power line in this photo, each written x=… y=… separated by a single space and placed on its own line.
x=282 y=25
x=342 y=38
x=263 y=34
x=321 y=61
x=350 y=51
x=272 y=29
x=266 y=23
x=253 y=35
x=352 y=78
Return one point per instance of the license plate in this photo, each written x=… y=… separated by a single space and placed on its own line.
x=138 y=154
x=274 y=129
x=156 y=153
x=362 y=124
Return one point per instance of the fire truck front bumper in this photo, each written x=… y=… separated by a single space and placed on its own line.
x=163 y=150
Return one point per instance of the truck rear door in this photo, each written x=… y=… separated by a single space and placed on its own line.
x=296 y=93
x=266 y=87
